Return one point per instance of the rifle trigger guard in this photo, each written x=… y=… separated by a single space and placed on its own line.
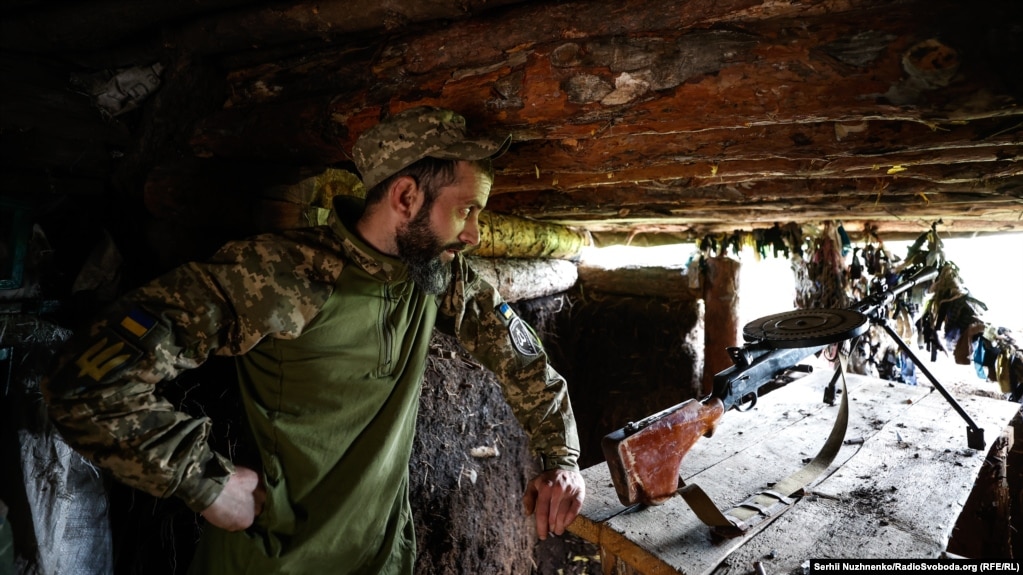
x=748 y=401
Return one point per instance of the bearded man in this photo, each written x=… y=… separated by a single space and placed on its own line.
x=330 y=329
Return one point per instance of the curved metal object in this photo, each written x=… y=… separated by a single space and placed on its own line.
x=806 y=327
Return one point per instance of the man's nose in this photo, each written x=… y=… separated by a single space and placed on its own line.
x=471 y=233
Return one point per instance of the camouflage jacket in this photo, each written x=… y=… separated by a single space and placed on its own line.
x=104 y=394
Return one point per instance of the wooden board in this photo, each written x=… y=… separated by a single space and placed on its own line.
x=895 y=495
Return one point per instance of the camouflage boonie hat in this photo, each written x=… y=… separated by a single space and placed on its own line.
x=414 y=134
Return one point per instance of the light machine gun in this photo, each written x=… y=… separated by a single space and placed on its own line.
x=645 y=456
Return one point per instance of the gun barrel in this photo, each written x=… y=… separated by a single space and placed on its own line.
x=874 y=302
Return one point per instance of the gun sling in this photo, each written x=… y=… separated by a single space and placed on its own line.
x=768 y=504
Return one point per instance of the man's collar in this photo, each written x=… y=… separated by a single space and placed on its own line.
x=346 y=212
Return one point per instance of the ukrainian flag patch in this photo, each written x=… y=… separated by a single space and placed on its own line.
x=505 y=311
x=138 y=322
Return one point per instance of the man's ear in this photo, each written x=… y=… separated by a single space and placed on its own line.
x=405 y=197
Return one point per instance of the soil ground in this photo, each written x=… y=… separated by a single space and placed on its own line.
x=468 y=507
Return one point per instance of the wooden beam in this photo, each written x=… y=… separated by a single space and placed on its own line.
x=641 y=118
x=658 y=282
x=773 y=72
x=765 y=152
x=58 y=26
x=215 y=26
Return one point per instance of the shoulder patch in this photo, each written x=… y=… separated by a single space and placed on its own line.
x=505 y=311
x=137 y=322
x=105 y=356
x=523 y=338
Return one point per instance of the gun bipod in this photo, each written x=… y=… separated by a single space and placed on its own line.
x=974 y=434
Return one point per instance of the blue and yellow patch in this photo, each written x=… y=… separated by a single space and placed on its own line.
x=138 y=322
x=505 y=311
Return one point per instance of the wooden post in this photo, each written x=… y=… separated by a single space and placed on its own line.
x=721 y=331
x=984 y=526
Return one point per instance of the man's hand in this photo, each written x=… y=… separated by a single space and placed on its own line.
x=239 y=503
x=556 y=496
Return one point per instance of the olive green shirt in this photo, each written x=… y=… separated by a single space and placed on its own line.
x=331 y=339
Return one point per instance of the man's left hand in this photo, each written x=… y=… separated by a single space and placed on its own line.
x=556 y=496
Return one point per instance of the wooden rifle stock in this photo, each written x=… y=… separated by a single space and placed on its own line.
x=645 y=457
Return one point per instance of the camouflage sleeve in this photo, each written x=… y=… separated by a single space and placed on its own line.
x=103 y=395
x=474 y=312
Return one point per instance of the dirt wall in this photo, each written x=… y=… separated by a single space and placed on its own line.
x=469 y=466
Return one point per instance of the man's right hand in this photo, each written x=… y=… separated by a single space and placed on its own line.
x=239 y=503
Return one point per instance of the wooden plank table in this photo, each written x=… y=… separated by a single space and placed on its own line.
x=894 y=490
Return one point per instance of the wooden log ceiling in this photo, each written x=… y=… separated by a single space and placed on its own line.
x=628 y=116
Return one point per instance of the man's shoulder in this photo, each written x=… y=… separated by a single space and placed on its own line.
x=312 y=252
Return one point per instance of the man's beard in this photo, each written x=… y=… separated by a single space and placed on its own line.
x=420 y=249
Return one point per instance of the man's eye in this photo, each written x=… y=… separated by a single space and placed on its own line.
x=465 y=212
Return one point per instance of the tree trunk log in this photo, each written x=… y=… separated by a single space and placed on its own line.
x=504 y=236
x=669 y=283
x=522 y=279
